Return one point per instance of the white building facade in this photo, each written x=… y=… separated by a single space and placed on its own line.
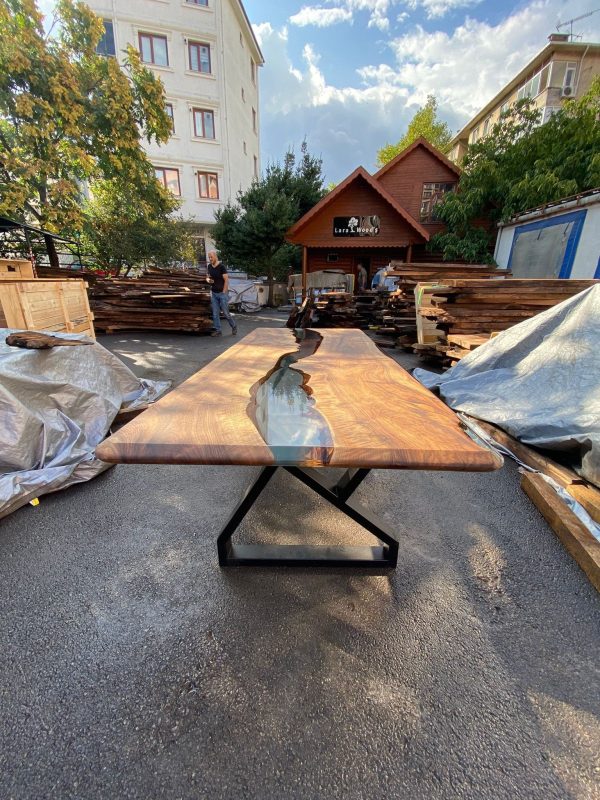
x=207 y=57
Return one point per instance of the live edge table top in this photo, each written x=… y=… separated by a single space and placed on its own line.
x=309 y=398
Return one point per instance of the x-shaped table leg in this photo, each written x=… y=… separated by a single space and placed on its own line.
x=338 y=493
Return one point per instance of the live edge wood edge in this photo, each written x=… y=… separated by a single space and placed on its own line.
x=377 y=415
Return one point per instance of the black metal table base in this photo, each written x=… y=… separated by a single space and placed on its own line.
x=338 y=493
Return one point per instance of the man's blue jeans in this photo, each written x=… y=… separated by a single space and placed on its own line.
x=219 y=302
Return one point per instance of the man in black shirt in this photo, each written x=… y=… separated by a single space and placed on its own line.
x=219 y=298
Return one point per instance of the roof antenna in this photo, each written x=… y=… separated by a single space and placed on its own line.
x=575 y=19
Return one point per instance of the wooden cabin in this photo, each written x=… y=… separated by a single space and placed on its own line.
x=374 y=219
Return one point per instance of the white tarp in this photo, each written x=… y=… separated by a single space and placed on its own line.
x=244 y=293
x=56 y=405
x=539 y=381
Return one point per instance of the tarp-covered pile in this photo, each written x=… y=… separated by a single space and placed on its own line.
x=56 y=405
x=539 y=381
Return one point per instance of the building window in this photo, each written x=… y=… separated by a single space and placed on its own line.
x=255 y=167
x=568 y=87
x=505 y=107
x=106 y=45
x=171 y=116
x=169 y=179
x=474 y=135
x=208 y=185
x=486 y=126
x=198 y=3
x=253 y=71
x=199 y=55
x=432 y=194
x=153 y=49
x=204 y=123
x=332 y=258
x=254 y=120
x=536 y=85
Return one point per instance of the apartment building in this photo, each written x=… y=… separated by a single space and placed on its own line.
x=563 y=70
x=207 y=57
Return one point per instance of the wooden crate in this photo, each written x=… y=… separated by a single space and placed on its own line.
x=46 y=305
x=12 y=269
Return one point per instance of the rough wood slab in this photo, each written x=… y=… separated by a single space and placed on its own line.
x=580 y=543
x=34 y=340
x=341 y=404
x=585 y=494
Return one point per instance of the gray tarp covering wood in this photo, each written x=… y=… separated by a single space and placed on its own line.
x=539 y=381
x=55 y=406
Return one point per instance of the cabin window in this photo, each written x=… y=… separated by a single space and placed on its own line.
x=432 y=195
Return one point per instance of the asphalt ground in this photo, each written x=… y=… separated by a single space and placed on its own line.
x=131 y=666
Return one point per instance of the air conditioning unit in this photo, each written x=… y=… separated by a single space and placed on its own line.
x=567 y=91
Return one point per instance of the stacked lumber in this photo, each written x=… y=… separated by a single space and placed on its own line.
x=371 y=305
x=401 y=317
x=468 y=312
x=336 y=310
x=175 y=300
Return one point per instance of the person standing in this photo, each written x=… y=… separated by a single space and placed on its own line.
x=219 y=293
x=362 y=278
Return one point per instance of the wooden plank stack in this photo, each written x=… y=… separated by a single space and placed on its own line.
x=401 y=316
x=174 y=300
x=468 y=312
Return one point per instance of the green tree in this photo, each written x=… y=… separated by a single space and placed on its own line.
x=69 y=116
x=520 y=165
x=424 y=123
x=123 y=231
x=250 y=232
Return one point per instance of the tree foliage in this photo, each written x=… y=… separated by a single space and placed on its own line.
x=424 y=123
x=250 y=232
x=69 y=116
x=520 y=165
x=123 y=232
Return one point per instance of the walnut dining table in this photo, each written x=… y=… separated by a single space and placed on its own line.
x=305 y=401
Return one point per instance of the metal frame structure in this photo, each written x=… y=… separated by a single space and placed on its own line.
x=338 y=493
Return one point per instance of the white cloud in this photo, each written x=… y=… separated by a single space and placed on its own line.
x=321 y=17
x=439 y=8
x=463 y=68
x=466 y=68
x=346 y=125
x=344 y=11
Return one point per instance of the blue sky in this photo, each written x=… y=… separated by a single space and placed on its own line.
x=349 y=74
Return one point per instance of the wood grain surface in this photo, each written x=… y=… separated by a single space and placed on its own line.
x=333 y=400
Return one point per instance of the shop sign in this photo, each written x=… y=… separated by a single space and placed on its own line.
x=356 y=226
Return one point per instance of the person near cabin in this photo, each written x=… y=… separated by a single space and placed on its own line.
x=219 y=294
x=361 y=277
x=378 y=281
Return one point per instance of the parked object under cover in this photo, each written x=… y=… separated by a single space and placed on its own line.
x=56 y=405
x=539 y=381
